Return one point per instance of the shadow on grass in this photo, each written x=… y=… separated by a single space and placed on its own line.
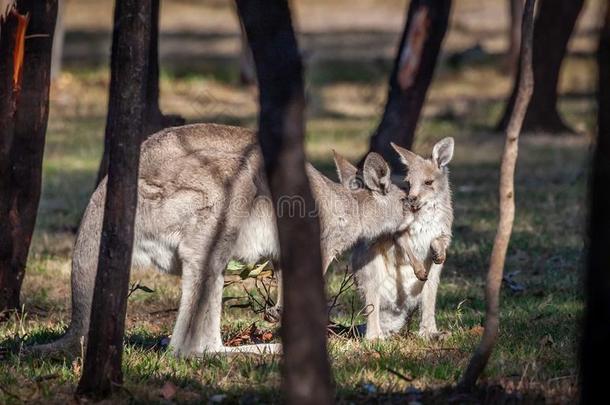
x=148 y=370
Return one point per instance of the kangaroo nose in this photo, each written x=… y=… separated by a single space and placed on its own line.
x=412 y=199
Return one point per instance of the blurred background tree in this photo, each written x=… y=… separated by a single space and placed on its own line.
x=594 y=348
x=414 y=64
x=554 y=26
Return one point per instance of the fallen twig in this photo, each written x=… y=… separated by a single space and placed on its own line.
x=400 y=375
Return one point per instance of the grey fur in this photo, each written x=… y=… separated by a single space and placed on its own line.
x=202 y=200
x=384 y=274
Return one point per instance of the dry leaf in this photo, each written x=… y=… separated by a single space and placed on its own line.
x=476 y=330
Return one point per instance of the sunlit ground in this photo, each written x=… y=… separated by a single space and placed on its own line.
x=536 y=353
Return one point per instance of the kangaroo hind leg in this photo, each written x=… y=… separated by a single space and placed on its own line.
x=197 y=328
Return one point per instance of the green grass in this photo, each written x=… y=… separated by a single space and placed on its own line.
x=536 y=352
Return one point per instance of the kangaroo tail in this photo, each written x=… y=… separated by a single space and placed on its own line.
x=84 y=270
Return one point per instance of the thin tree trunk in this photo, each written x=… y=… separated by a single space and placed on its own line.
x=306 y=369
x=507 y=208
x=247 y=70
x=153 y=111
x=514 y=36
x=554 y=25
x=131 y=38
x=24 y=109
x=58 y=40
x=154 y=120
x=594 y=350
x=414 y=65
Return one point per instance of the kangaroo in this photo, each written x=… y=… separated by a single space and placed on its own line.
x=203 y=199
x=388 y=271
x=349 y=177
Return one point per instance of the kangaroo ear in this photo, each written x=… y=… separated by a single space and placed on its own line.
x=345 y=170
x=443 y=152
x=406 y=156
x=376 y=173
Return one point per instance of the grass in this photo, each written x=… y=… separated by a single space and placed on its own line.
x=536 y=352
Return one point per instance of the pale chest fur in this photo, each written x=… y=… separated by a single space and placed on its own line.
x=429 y=225
x=398 y=287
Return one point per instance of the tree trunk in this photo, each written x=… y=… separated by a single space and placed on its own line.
x=131 y=38
x=594 y=349
x=58 y=40
x=507 y=208
x=414 y=66
x=247 y=70
x=154 y=117
x=24 y=109
x=10 y=274
x=514 y=36
x=154 y=120
x=306 y=369
x=554 y=25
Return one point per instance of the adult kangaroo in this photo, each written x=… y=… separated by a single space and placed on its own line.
x=203 y=199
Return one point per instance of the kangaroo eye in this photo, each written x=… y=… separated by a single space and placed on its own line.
x=428 y=182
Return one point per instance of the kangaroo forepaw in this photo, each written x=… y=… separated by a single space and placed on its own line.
x=420 y=272
x=439 y=258
x=439 y=253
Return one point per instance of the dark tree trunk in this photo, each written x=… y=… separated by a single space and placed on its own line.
x=554 y=25
x=154 y=120
x=24 y=110
x=594 y=350
x=306 y=369
x=414 y=66
x=131 y=38
x=10 y=274
x=514 y=36
x=8 y=95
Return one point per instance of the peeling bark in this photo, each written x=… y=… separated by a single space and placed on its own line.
x=27 y=34
x=414 y=65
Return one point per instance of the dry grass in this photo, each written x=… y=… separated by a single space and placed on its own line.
x=536 y=355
